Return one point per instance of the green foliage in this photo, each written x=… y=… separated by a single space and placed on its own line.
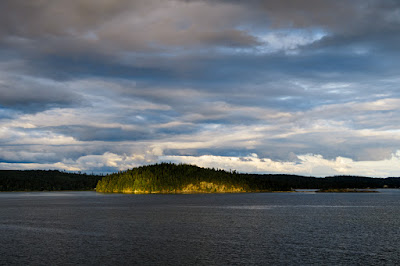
x=172 y=178
x=39 y=180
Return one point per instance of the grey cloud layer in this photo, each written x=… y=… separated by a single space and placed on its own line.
x=109 y=25
x=33 y=94
x=109 y=84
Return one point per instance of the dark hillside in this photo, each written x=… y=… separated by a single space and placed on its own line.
x=39 y=180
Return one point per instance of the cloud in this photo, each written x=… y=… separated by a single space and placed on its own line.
x=308 y=164
x=88 y=133
x=88 y=84
x=31 y=94
x=122 y=116
x=110 y=26
x=121 y=25
x=104 y=163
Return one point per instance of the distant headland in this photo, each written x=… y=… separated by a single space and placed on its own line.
x=184 y=178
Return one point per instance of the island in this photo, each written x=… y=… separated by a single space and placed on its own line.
x=186 y=178
x=183 y=178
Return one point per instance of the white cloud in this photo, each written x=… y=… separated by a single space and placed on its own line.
x=15 y=136
x=108 y=162
x=309 y=164
x=288 y=40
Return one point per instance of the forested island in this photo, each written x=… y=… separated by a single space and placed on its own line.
x=183 y=178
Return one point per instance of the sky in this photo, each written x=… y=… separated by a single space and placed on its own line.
x=304 y=87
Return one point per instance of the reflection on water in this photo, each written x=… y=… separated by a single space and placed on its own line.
x=265 y=207
x=51 y=228
x=45 y=194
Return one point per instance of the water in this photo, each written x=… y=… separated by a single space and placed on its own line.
x=88 y=228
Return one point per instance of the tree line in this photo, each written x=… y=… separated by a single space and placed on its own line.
x=174 y=178
x=42 y=180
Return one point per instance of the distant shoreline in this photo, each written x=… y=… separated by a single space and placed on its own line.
x=201 y=192
x=169 y=178
x=347 y=190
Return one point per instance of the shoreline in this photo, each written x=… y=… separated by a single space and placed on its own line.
x=303 y=190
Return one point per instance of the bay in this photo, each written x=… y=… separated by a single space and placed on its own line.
x=89 y=228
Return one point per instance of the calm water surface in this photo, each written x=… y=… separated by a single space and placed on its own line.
x=88 y=228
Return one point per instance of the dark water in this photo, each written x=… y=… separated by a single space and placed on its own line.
x=70 y=228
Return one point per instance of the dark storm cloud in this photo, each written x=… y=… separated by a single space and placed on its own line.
x=335 y=15
x=332 y=54
x=28 y=94
x=68 y=68
x=112 y=26
x=109 y=26
x=32 y=18
x=90 y=133
x=114 y=134
x=240 y=76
